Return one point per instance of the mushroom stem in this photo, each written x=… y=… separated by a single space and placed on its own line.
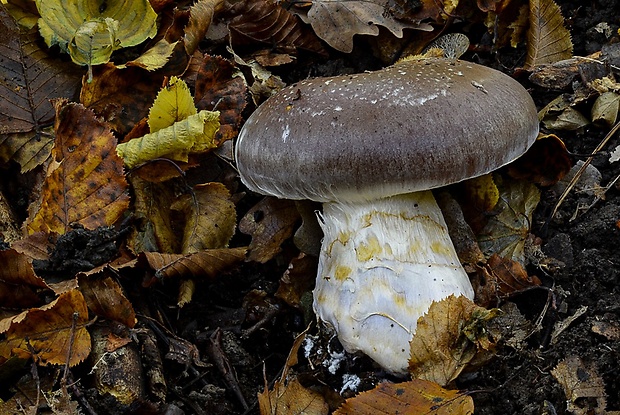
x=382 y=263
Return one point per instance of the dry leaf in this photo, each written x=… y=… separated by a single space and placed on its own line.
x=509 y=223
x=31 y=78
x=219 y=88
x=448 y=337
x=605 y=108
x=210 y=217
x=409 y=398
x=270 y=33
x=53 y=334
x=85 y=182
x=338 y=21
x=298 y=279
x=548 y=41
x=105 y=298
x=200 y=18
x=583 y=386
x=206 y=264
x=545 y=163
x=270 y=222
x=291 y=399
x=154 y=232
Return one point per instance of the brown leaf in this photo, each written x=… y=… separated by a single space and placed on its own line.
x=447 y=339
x=85 y=182
x=270 y=222
x=274 y=31
x=548 y=41
x=408 y=398
x=206 y=264
x=337 y=22
x=16 y=268
x=53 y=334
x=502 y=277
x=121 y=96
x=210 y=217
x=298 y=279
x=152 y=207
x=200 y=18
x=31 y=77
x=218 y=88
x=545 y=163
x=582 y=385
x=105 y=298
x=291 y=399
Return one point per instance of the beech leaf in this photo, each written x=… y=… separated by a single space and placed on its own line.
x=53 y=334
x=85 y=183
x=414 y=397
x=548 y=41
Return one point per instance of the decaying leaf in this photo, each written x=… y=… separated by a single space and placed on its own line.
x=499 y=278
x=291 y=398
x=154 y=232
x=210 y=217
x=206 y=264
x=270 y=222
x=30 y=79
x=583 y=386
x=90 y=30
x=121 y=96
x=509 y=223
x=338 y=21
x=53 y=334
x=200 y=17
x=154 y=58
x=269 y=33
x=298 y=279
x=414 y=397
x=548 y=41
x=545 y=163
x=605 y=108
x=105 y=298
x=218 y=87
x=85 y=183
x=448 y=337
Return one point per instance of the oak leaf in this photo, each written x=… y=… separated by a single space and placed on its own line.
x=53 y=334
x=85 y=182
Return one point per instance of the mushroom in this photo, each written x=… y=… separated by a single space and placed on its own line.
x=369 y=147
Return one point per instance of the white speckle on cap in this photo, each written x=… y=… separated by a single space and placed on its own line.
x=286 y=133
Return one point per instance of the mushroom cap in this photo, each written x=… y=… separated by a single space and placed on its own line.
x=416 y=125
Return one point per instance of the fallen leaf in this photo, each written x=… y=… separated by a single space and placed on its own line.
x=605 y=108
x=85 y=183
x=509 y=223
x=298 y=280
x=104 y=296
x=548 y=40
x=408 y=398
x=92 y=31
x=448 y=337
x=338 y=21
x=270 y=33
x=210 y=217
x=206 y=264
x=545 y=163
x=583 y=386
x=31 y=78
x=219 y=87
x=270 y=222
x=154 y=58
x=53 y=334
x=121 y=96
x=291 y=398
x=501 y=278
x=200 y=17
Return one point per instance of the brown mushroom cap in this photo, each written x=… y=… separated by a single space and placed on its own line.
x=414 y=126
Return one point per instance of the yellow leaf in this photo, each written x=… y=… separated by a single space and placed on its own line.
x=52 y=334
x=291 y=399
x=548 y=41
x=154 y=58
x=65 y=20
x=408 y=398
x=173 y=103
x=447 y=338
x=94 y=42
x=210 y=217
x=194 y=134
